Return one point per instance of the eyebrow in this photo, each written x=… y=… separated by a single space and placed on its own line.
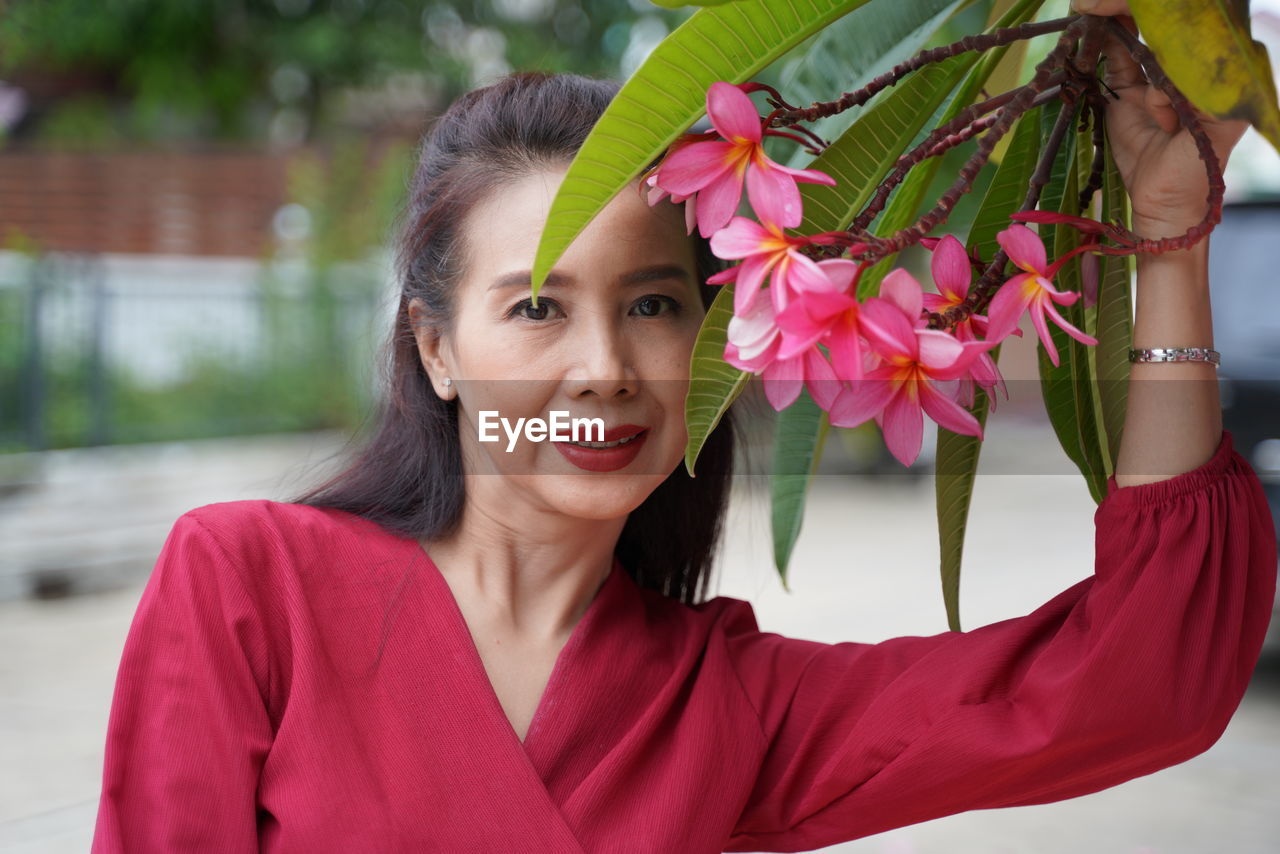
x=655 y=273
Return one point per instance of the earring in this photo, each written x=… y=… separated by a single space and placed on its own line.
x=448 y=382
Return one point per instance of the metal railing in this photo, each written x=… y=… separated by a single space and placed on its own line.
x=98 y=350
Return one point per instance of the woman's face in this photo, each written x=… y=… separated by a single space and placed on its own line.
x=611 y=338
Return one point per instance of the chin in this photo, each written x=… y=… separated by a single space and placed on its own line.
x=599 y=495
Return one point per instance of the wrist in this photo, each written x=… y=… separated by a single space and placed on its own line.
x=1154 y=228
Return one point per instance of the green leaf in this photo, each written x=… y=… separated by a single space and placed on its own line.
x=860 y=158
x=1055 y=382
x=1208 y=51
x=797 y=448
x=873 y=144
x=714 y=384
x=1051 y=194
x=957 y=455
x=1069 y=388
x=850 y=52
x=1115 y=315
x=676 y=4
x=893 y=122
x=904 y=205
x=666 y=95
x=1093 y=437
x=956 y=470
x=1008 y=186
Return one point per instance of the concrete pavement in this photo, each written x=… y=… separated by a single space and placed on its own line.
x=865 y=569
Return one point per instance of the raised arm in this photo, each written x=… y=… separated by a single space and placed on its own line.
x=1137 y=667
x=1173 y=421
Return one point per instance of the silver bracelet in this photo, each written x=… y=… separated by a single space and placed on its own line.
x=1175 y=354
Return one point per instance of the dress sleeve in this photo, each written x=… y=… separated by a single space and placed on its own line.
x=189 y=728
x=1134 y=669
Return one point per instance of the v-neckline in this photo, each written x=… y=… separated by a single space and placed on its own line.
x=558 y=668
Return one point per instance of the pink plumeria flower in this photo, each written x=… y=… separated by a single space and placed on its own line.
x=915 y=360
x=753 y=338
x=716 y=170
x=952 y=274
x=765 y=250
x=752 y=345
x=810 y=369
x=1030 y=290
x=657 y=194
x=830 y=316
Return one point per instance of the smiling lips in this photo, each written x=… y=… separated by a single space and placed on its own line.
x=606 y=459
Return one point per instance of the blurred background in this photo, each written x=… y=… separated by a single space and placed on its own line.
x=195 y=198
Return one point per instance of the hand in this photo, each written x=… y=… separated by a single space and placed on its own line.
x=1156 y=156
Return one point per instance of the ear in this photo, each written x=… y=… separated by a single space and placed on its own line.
x=432 y=350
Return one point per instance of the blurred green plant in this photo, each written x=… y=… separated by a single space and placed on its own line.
x=195 y=69
x=312 y=366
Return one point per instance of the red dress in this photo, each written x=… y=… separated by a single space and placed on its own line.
x=300 y=680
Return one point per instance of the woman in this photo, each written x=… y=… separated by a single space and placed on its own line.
x=521 y=659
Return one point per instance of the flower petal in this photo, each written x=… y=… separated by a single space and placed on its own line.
x=863 y=399
x=970 y=352
x=950 y=268
x=753 y=332
x=1006 y=308
x=803 y=275
x=751 y=275
x=820 y=379
x=782 y=382
x=694 y=166
x=1023 y=247
x=901 y=288
x=718 y=202
x=903 y=427
x=1037 y=319
x=732 y=113
x=800 y=333
x=947 y=412
x=1067 y=327
x=740 y=238
x=887 y=329
x=842 y=273
x=936 y=302
x=774 y=196
x=846 y=347
x=937 y=349
x=809 y=176
x=734 y=357
x=725 y=276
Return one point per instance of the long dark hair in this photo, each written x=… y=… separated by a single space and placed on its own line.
x=407 y=475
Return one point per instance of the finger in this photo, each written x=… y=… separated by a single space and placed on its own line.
x=1101 y=7
x=1160 y=108
x=1122 y=70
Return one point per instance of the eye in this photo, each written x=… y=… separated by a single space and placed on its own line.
x=651 y=305
x=539 y=313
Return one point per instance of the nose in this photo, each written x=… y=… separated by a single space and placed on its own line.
x=602 y=362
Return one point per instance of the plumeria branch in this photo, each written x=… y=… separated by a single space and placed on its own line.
x=982 y=42
x=947 y=136
x=796 y=319
x=1019 y=104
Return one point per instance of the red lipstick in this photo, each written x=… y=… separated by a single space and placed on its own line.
x=606 y=459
